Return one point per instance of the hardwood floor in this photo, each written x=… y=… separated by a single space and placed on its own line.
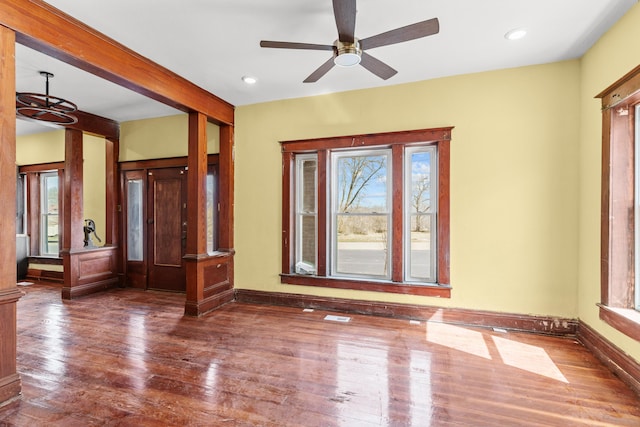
x=129 y=358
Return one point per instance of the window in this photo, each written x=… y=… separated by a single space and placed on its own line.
x=21 y=204
x=49 y=232
x=135 y=218
x=620 y=218
x=368 y=212
x=306 y=213
x=420 y=210
x=212 y=208
x=42 y=195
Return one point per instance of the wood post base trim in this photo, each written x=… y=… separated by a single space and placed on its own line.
x=517 y=322
x=10 y=385
x=89 y=288
x=192 y=308
x=618 y=362
x=10 y=389
x=11 y=295
x=47 y=275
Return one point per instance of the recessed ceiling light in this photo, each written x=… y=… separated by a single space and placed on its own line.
x=249 y=80
x=516 y=34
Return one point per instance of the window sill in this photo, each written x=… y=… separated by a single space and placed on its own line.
x=431 y=290
x=45 y=259
x=624 y=320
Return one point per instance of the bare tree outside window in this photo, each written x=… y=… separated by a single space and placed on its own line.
x=354 y=175
x=420 y=200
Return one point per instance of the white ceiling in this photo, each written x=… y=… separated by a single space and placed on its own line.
x=214 y=43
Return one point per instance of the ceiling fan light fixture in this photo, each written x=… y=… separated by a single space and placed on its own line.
x=45 y=107
x=348 y=54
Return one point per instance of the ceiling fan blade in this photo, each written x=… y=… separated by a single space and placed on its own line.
x=403 y=34
x=345 y=14
x=293 y=45
x=376 y=66
x=321 y=71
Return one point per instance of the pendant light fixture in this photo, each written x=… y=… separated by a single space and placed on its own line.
x=45 y=107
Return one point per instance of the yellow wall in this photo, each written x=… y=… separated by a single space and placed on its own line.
x=45 y=147
x=94 y=170
x=161 y=138
x=514 y=181
x=48 y=147
x=613 y=56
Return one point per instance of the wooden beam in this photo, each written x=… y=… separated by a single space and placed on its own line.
x=96 y=125
x=88 y=123
x=48 y=30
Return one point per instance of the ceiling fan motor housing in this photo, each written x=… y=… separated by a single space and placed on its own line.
x=348 y=54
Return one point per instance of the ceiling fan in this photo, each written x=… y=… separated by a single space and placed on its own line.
x=349 y=50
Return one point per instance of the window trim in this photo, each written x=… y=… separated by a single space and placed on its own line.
x=617 y=225
x=396 y=141
x=299 y=212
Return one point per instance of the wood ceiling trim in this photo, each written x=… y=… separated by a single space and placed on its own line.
x=46 y=29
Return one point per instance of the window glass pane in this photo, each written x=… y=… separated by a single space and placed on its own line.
x=306 y=190
x=49 y=241
x=308 y=186
x=362 y=245
x=420 y=183
x=361 y=184
x=420 y=214
x=308 y=240
x=21 y=227
x=51 y=234
x=134 y=220
x=360 y=227
x=420 y=256
x=211 y=226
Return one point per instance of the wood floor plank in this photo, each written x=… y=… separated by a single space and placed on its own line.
x=130 y=358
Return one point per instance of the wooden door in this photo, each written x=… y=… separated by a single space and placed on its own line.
x=167 y=229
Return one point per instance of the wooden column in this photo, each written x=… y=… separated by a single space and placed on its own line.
x=86 y=271
x=196 y=222
x=226 y=159
x=208 y=274
x=73 y=190
x=73 y=221
x=197 y=184
x=10 y=386
x=112 y=147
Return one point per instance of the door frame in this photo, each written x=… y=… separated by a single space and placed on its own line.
x=135 y=274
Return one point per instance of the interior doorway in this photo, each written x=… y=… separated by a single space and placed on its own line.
x=155 y=228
